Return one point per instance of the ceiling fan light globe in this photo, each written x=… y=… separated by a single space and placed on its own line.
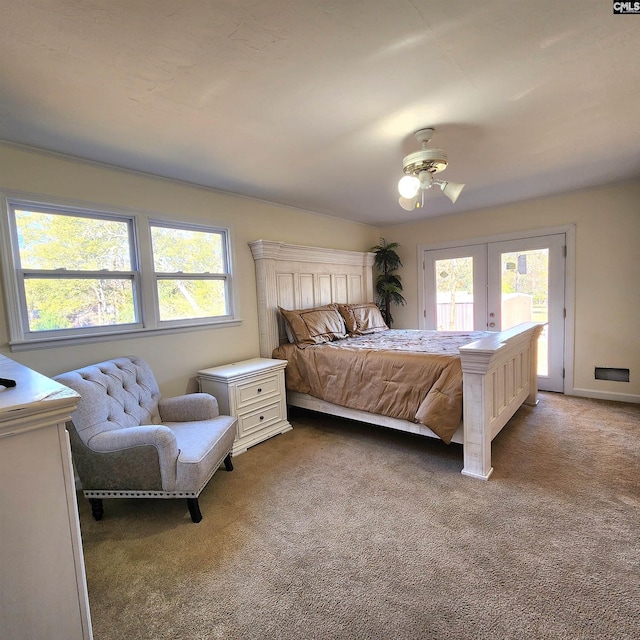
x=408 y=186
x=408 y=204
x=452 y=190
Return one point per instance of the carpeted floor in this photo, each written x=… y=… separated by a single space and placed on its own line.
x=338 y=530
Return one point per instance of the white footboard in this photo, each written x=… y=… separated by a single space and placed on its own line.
x=499 y=375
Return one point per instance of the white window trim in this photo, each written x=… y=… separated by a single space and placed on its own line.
x=149 y=323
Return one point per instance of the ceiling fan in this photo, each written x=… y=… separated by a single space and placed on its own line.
x=419 y=169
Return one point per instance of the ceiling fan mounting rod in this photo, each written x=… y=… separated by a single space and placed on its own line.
x=424 y=135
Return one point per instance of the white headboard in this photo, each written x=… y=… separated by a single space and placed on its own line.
x=298 y=277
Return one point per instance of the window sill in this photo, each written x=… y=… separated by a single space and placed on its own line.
x=56 y=342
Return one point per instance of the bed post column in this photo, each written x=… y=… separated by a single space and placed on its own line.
x=264 y=253
x=499 y=374
x=477 y=415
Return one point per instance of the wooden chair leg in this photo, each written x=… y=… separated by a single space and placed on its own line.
x=228 y=465
x=96 y=508
x=194 y=509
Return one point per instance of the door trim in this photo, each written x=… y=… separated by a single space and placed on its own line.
x=569 y=289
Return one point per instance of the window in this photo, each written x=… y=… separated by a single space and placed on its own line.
x=191 y=272
x=76 y=273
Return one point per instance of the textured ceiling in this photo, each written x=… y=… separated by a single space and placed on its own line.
x=313 y=103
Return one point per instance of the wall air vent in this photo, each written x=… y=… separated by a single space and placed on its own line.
x=612 y=373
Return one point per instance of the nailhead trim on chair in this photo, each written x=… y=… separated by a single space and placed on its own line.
x=140 y=494
x=152 y=494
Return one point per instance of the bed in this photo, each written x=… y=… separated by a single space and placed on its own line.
x=498 y=369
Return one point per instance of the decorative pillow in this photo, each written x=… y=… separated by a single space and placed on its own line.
x=315 y=326
x=289 y=333
x=363 y=318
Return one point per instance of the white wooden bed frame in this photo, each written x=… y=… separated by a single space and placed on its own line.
x=499 y=372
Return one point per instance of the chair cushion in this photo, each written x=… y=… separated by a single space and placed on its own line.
x=203 y=445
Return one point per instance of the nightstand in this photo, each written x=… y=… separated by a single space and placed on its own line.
x=252 y=391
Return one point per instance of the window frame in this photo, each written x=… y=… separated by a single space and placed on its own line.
x=142 y=276
x=165 y=275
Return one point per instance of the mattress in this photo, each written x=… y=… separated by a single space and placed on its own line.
x=407 y=374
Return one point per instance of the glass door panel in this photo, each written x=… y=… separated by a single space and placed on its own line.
x=452 y=276
x=454 y=291
x=526 y=284
x=525 y=294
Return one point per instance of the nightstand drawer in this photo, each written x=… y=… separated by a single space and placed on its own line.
x=250 y=392
x=259 y=419
x=254 y=392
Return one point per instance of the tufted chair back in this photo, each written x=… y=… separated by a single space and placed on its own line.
x=116 y=394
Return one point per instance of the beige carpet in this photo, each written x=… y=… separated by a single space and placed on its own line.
x=338 y=530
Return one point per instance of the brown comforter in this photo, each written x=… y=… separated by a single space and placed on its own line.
x=407 y=374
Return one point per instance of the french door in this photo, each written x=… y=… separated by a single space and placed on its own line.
x=496 y=285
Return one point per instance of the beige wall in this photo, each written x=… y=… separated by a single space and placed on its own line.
x=177 y=357
x=607 y=295
x=607 y=269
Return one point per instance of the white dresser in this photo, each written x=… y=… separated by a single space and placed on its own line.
x=43 y=591
x=252 y=391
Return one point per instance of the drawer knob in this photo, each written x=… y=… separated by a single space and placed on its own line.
x=261 y=417
x=259 y=390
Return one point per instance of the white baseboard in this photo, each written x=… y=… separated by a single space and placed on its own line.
x=604 y=395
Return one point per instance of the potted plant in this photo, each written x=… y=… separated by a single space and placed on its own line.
x=388 y=285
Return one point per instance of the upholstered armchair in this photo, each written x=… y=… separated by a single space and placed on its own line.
x=129 y=442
